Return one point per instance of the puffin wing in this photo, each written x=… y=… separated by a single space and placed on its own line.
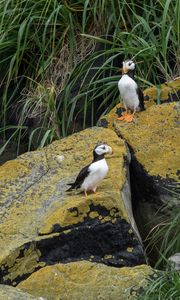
x=141 y=98
x=80 y=178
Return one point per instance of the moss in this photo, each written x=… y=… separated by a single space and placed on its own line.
x=86 y=280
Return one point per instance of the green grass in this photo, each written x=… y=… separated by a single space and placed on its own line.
x=165 y=237
x=74 y=48
x=165 y=287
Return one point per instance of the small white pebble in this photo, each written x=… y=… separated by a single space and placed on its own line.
x=59 y=158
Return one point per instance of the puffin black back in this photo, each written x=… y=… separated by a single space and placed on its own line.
x=91 y=175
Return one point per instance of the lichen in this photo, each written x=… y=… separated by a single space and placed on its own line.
x=86 y=280
x=153 y=139
x=35 y=203
x=166 y=91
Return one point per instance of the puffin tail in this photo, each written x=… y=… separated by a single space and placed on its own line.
x=142 y=107
x=71 y=187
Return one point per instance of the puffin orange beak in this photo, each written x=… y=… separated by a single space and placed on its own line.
x=125 y=70
x=110 y=150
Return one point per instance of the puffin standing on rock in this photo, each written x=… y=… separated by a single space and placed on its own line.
x=91 y=176
x=133 y=98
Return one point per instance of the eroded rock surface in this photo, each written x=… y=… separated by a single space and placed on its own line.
x=86 y=280
x=43 y=225
x=12 y=293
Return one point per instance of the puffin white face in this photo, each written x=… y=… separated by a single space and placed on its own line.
x=128 y=65
x=103 y=149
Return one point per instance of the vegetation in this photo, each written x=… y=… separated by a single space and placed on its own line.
x=165 y=237
x=166 y=284
x=60 y=60
x=165 y=287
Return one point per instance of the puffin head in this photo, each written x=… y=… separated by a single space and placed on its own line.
x=128 y=65
x=101 y=150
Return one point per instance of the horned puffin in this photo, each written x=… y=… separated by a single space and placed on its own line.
x=133 y=98
x=91 y=176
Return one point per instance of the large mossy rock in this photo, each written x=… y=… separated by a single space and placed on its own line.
x=86 y=280
x=41 y=224
x=153 y=140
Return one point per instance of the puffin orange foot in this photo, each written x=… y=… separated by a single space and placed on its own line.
x=129 y=118
x=123 y=116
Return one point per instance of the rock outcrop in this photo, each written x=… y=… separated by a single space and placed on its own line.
x=86 y=280
x=154 y=145
x=43 y=225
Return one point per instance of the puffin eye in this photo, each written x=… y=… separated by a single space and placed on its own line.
x=103 y=147
x=129 y=63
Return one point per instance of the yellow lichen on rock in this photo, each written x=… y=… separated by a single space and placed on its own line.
x=154 y=139
x=163 y=92
x=13 y=169
x=75 y=210
x=37 y=208
x=29 y=261
x=11 y=293
x=76 y=207
x=86 y=280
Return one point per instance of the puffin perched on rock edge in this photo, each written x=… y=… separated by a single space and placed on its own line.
x=91 y=176
x=133 y=98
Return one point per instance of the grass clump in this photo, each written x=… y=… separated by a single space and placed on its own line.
x=75 y=49
x=166 y=286
x=165 y=237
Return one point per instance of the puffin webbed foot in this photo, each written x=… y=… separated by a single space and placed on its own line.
x=123 y=116
x=127 y=117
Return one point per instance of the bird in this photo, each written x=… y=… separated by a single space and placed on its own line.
x=90 y=177
x=132 y=96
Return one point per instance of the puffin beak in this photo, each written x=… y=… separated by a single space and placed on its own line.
x=110 y=150
x=125 y=70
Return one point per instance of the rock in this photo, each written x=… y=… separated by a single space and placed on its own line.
x=41 y=224
x=165 y=93
x=86 y=280
x=12 y=293
x=174 y=261
x=155 y=147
